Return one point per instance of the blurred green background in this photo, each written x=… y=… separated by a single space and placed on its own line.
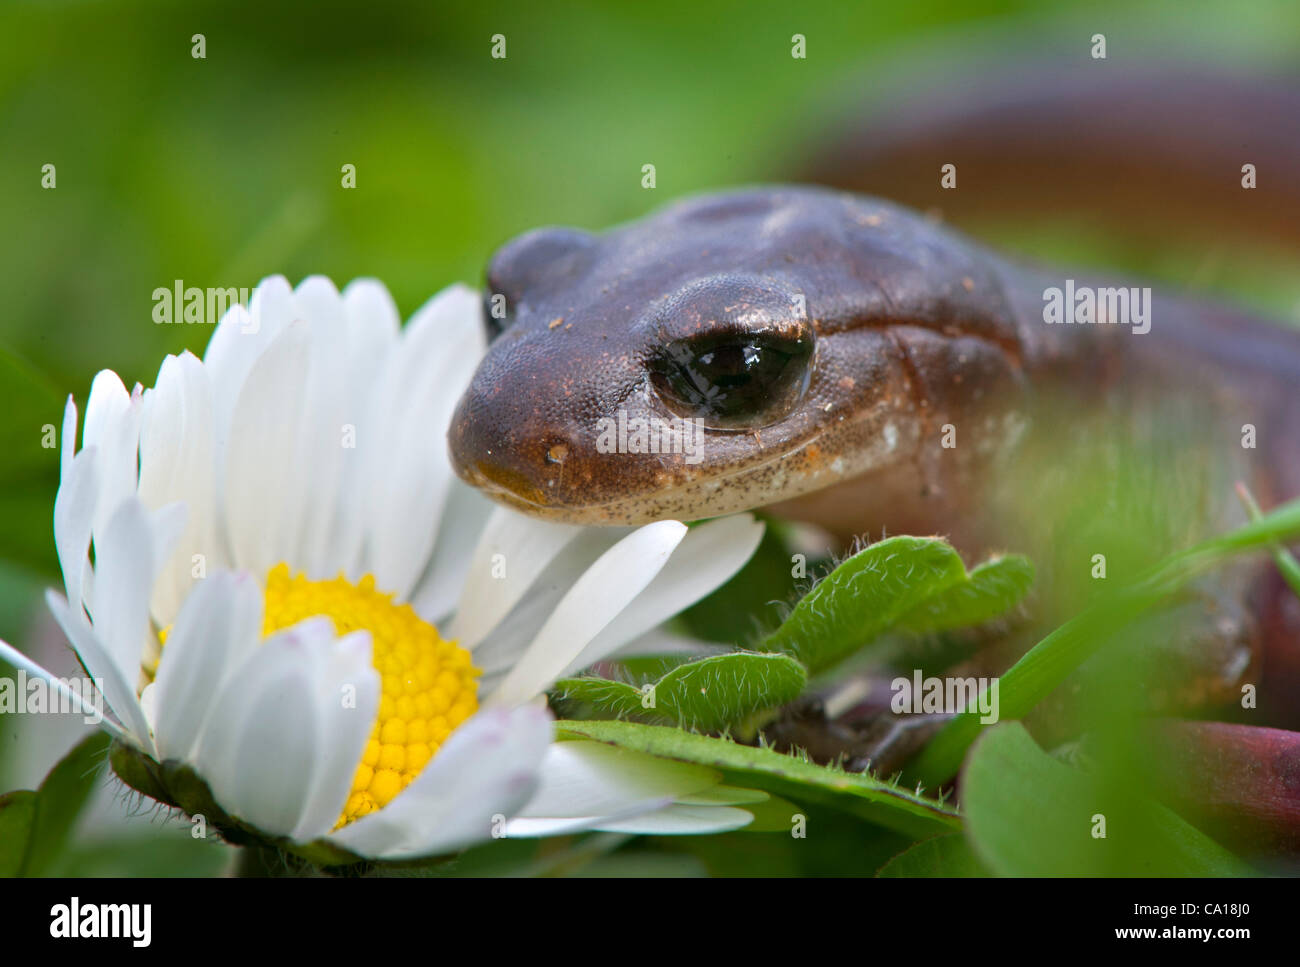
x=222 y=170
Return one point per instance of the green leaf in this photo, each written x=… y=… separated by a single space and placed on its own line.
x=1049 y=662
x=941 y=856
x=59 y=802
x=597 y=698
x=17 y=813
x=1028 y=815
x=720 y=690
x=992 y=589
x=707 y=695
x=864 y=597
x=784 y=775
x=911 y=584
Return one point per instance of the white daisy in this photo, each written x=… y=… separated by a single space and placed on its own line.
x=283 y=589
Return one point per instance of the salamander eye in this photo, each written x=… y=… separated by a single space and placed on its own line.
x=735 y=380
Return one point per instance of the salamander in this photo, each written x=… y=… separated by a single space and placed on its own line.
x=856 y=363
x=818 y=337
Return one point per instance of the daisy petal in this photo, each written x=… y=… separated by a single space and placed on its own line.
x=372 y=325
x=322 y=436
x=318 y=300
x=512 y=551
x=240 y=339
x=118 y=691
x=486 y=770
x=244 y=334
x=74 y=515
x=68 y=448
x=678 y=820
x=347 y=701
x=580 y=778
x=16 y=658
x=257 y=756
x=707 y=557
x=113 y=428
x=216 y=631
x=261 y=475
x=125 y=556
x=523 y=827
x=595 y=599
x=463 y=519
x=410 y=475
x=498 y=652
x=107 y=403
x=166 y=524
x=177 y=463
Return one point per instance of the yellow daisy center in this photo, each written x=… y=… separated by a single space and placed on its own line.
x=428 y=685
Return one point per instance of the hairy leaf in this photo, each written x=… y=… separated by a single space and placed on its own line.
x=707 y=695
x=793 y=778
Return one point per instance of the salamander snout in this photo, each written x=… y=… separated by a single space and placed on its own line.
x=511 y=444
x=527 y=431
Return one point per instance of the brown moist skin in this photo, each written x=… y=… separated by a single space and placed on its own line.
x=913 y=328
x=917 y=331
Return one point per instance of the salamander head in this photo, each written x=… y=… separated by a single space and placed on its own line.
x=727 y=352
